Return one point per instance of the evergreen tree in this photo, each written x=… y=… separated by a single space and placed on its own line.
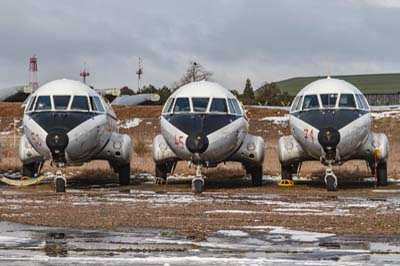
x=248 y=97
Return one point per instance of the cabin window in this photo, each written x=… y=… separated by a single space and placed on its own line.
x=80 y=103
x=168 y=105
x=329 y=100
x=347 y=100
x=200 y=104
x=310 y=102
x=182 y=105
x=43 y=103
x=31 y=103
x=295 y=103
x=61 y=102
x=219 y=105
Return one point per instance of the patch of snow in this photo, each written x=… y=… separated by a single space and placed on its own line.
x=234 y=212
x=233 y=233
x=277 y=120
x=131 y=123
x=386 y=190
x=302 y=236
x=295 y=210
x=387 y=114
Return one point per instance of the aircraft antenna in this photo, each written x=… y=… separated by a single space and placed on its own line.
x=139 y=73
x=33 y=73
x=84 y=73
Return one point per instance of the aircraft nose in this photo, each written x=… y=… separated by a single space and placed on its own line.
x=329 y=138
x=197 y=142
x=57 y=141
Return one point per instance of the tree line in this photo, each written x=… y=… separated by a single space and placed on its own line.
x=266 y=94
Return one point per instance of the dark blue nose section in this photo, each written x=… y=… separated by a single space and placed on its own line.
x=197 y=142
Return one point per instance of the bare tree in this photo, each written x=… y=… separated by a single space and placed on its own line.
x=194 y=72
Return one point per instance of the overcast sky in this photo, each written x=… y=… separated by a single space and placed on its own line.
x=262 y=40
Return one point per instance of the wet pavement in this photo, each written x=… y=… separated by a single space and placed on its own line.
x=34 y=245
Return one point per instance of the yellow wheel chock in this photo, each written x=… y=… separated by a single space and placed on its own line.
x=286 y=183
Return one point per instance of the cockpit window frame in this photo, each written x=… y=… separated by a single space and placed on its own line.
x=312 y=108
x=193 y=107
x=54 y=103
x=80 y=110
x=346 y=107
x=219 y=99
x=35 y=108
x=329 y=106
x=186 y=111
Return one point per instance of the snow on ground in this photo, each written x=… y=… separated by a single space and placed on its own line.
x=234 y=212
x=233 y=233
x=302 y=236
x=277 y=120
x=130 y=123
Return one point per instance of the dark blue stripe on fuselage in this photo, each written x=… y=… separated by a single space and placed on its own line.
x=324 y=118
x=60 y=120
x=200 y=123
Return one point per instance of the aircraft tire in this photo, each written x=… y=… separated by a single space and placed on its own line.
x=197 y=186
x=256 y=176
x=381 y=174
x=60 y=185
x=286 y=172
x=124 y=174
x=30 y=169
x=330 y=183
x=161 y=171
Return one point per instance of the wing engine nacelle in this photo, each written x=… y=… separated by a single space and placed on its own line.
x=290 y=151
x=117 y=151
x=251 y=152
x=376 y=144
x=27 y=154
x=161 y=151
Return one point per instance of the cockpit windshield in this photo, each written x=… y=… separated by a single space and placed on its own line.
x=43 y=103
x=347 y=100
x=218 y=105
x=80 y=103
x=329 y=100
x=310 y=102
x=182 y=105
x=61 y=102
x=200 y=104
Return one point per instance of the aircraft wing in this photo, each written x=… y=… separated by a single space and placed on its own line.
x=384 y=107
x=14 y=93
x=136 y=99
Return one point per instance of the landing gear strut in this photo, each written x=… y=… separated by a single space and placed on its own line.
x=60 y=181
x=198 y=181
x=330 y=180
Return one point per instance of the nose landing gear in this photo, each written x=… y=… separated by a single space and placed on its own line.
x=330 y=180
x=60 y=181
x=198 y=181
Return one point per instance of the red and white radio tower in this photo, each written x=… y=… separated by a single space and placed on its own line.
x=33 y=76
x=84 y=73
x=139 y=72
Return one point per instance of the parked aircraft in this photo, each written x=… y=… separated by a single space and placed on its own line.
x=330 y=122
x=203 y=123
x=69 y=123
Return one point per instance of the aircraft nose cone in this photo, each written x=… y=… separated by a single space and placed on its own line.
x=197 y=143
x=329 y=138
x=57 y=140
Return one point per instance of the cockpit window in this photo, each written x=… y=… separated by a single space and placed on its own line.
x=362 y=102
x=80 y=103
x=43 y=103
x=234 y=106
x=329 y=100
x=295 y=103
x=167 y=106
x=347 y=100
x=96 y=104
x=200 y=104
x=182 y=105
x=310 y=102
x=219 y=105
x=31 y=103
x=61 y=102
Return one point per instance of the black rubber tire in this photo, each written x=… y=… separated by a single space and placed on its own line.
x=256 y=176
x=30 y=169
x=330 y=183
x=197 y=186
x=381 y=174
x=161 y=171
x=286 y=172
x=60 y=185
x=124 y=174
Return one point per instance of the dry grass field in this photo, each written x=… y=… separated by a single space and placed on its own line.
x=148 y=127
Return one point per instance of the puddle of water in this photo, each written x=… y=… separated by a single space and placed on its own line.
x=33 y=245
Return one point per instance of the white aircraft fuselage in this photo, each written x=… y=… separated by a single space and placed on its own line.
x=330 y=121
